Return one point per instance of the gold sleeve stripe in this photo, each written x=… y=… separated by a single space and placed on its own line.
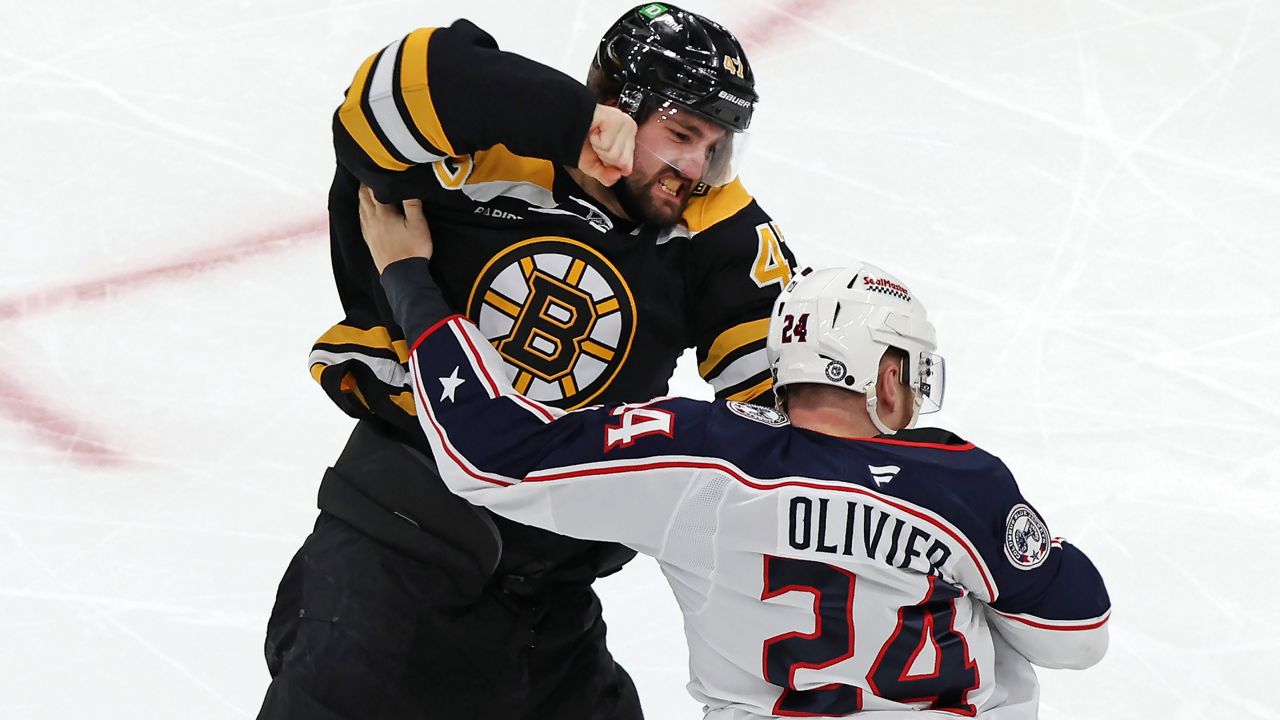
x=353 y=119
x=498 y=164
x=405 y=401
x=417 y=94
x=752 y=392
x=732 y=339
x=376 y=337
x=347 y=385
x=720 y=204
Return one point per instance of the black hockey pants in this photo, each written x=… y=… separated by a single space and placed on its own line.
x=362 y=631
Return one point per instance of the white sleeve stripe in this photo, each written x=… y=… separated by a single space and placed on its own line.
x=388 y=371
x=459 y=329
x=740 y=370
x=543 y=412
x=382 y=102
x=454 y=454
x=1045 y=624
x=531 y=193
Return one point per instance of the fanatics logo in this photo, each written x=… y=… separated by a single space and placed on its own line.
x=1026 y=538
x=759 y=413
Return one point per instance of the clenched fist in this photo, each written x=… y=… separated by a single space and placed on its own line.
x=610 y=144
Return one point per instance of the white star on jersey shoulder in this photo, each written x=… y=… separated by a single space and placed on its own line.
x=451 y=384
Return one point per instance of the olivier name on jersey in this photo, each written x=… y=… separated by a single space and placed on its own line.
x=860 y=527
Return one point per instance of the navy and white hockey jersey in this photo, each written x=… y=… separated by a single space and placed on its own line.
x=817 y=575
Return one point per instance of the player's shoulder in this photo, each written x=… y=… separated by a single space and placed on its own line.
x=499 y=165
x=956 y=465
x=930 y=437
x=944 y=451
x=496 y=171
x=717 y=212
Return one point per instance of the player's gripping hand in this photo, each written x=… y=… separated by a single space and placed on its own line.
x=392 y=234
x=610 y=145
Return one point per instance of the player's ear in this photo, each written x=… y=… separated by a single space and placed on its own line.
x=889 y=388
x=887 y=384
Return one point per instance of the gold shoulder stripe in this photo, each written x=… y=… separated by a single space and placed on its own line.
x=732 y=339
x=354 y=120
x=375 y=337
x=752 y=392
x=501 y=165
x=416 y=91
x=720 y=204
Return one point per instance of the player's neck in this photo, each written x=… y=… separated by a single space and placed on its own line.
x=597 y=191
x=838 y=420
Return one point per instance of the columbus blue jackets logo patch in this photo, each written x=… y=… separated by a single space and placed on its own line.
x=561 y=316
x=1026 y=538
x=759 y=413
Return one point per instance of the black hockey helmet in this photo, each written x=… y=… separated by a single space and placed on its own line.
x=660 y=52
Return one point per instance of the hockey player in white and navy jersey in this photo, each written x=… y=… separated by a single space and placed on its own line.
x=829 y=560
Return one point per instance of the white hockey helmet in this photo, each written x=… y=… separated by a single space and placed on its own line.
x=831 y=327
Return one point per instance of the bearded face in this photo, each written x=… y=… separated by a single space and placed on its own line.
x=673 y=150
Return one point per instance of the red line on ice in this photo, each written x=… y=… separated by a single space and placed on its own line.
x=71 y=432
x=772 y=26
x=104 y=288
x=79 y=441
x=54 y=429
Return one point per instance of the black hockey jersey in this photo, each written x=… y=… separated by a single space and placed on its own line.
x=584 y=306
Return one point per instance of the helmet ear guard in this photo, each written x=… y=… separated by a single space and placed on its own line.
x=833 y=326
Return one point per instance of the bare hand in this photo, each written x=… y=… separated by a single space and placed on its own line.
x=390 y=235
x=611 y=142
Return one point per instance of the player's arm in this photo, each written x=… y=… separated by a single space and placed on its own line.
x=739 y=265
x=599 y=474
x=1052 y=605
x=449 y=92
x=1061 y=622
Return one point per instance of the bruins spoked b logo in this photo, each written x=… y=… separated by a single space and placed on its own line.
x=561 y=316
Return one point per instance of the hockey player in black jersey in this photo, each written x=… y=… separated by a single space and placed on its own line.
x=593 y=232
x=831 y=561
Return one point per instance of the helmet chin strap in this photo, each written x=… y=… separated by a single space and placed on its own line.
x=916 y=402
x=872 y=402
x=875 y=416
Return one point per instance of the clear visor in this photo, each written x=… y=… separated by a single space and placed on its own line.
x=932 y=383
x=696 y=147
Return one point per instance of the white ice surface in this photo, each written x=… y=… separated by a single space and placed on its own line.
x=1085 y=192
